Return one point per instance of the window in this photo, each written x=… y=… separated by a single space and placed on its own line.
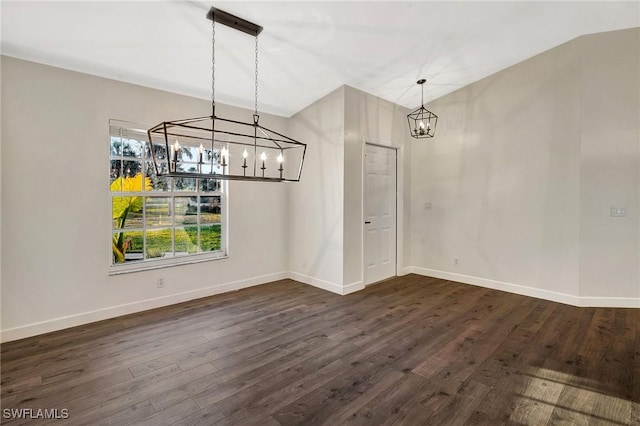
x=159 y=221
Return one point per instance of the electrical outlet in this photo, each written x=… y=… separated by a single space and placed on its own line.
x=455 y=261
x=160 y=282
x=427 y=206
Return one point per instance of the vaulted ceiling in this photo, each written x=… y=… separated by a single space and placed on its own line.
x=307 y=49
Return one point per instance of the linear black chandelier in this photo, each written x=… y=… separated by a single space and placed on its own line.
x=422 y=122
x=221 y=148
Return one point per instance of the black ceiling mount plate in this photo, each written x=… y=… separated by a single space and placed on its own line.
x=421 y=81
x=234 y=22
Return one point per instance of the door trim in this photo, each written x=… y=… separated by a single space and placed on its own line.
x=399 y=202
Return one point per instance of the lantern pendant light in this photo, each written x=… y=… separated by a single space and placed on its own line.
x=422 y=122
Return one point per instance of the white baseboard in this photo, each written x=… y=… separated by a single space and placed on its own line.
x=129 y=308
x=317 y=282
x=610 y=302
x=499 y=285
x=405 y=271
x=353 y=287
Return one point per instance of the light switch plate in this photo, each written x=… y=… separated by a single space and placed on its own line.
x=618 y=212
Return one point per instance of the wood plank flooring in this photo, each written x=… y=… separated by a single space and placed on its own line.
x=412 y=350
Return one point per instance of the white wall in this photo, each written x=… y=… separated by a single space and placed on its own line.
x=522 y=172
x=326 y=206
x=610 y=164
x=383 y=122
x=56 y=211
x=316 y=202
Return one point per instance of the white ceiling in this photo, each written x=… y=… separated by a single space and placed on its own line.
x=307 y=49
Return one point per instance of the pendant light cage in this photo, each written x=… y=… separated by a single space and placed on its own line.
x=220 y=148
x=422 y=122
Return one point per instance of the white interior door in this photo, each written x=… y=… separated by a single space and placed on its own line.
x=379 y=213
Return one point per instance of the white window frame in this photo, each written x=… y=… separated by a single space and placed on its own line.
x=139 y=132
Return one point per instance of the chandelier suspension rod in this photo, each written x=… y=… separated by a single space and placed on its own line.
x=421 y=82
x=256 y=82
x=213 y=67
x=256 y=117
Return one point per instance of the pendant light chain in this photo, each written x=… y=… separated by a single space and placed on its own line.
x=213 y=67
x=256 y=94
x=422 y=94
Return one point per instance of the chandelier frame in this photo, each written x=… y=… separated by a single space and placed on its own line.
x=215 y=147
x=422 y=122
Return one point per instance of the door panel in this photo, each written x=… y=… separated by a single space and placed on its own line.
x=380 y=213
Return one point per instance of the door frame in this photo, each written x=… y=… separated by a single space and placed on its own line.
x=399 y=202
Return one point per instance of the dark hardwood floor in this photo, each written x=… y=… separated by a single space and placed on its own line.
x=412 y=350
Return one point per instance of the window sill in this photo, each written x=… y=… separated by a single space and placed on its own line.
x=165 y=263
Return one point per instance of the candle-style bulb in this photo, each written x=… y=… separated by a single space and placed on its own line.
x=174 y=149
x=200 y=151
x=224 y=153
x=421 y=125
x=245 y=154
x=263 y=157
x=280 y=160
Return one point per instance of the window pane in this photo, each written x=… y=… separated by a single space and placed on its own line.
x=210 y=210
x=194 y=153
x=127 y=168
x=116 y=167
x=158 y=183
x=130 y=184
x=186 y=240
x=158 y=211
x=187 y=167
x=185 y=184
x=208 y=169
x=209 y=185
x=150 y=168
x=159 y=243
x=116 y=146
x=210 y=238
x=126 y=212
x=147 y=150
x=186 y=211
x=127 y=246
x=132 y=148
x=187 y=154
x=131 y=168
x=160 y=152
